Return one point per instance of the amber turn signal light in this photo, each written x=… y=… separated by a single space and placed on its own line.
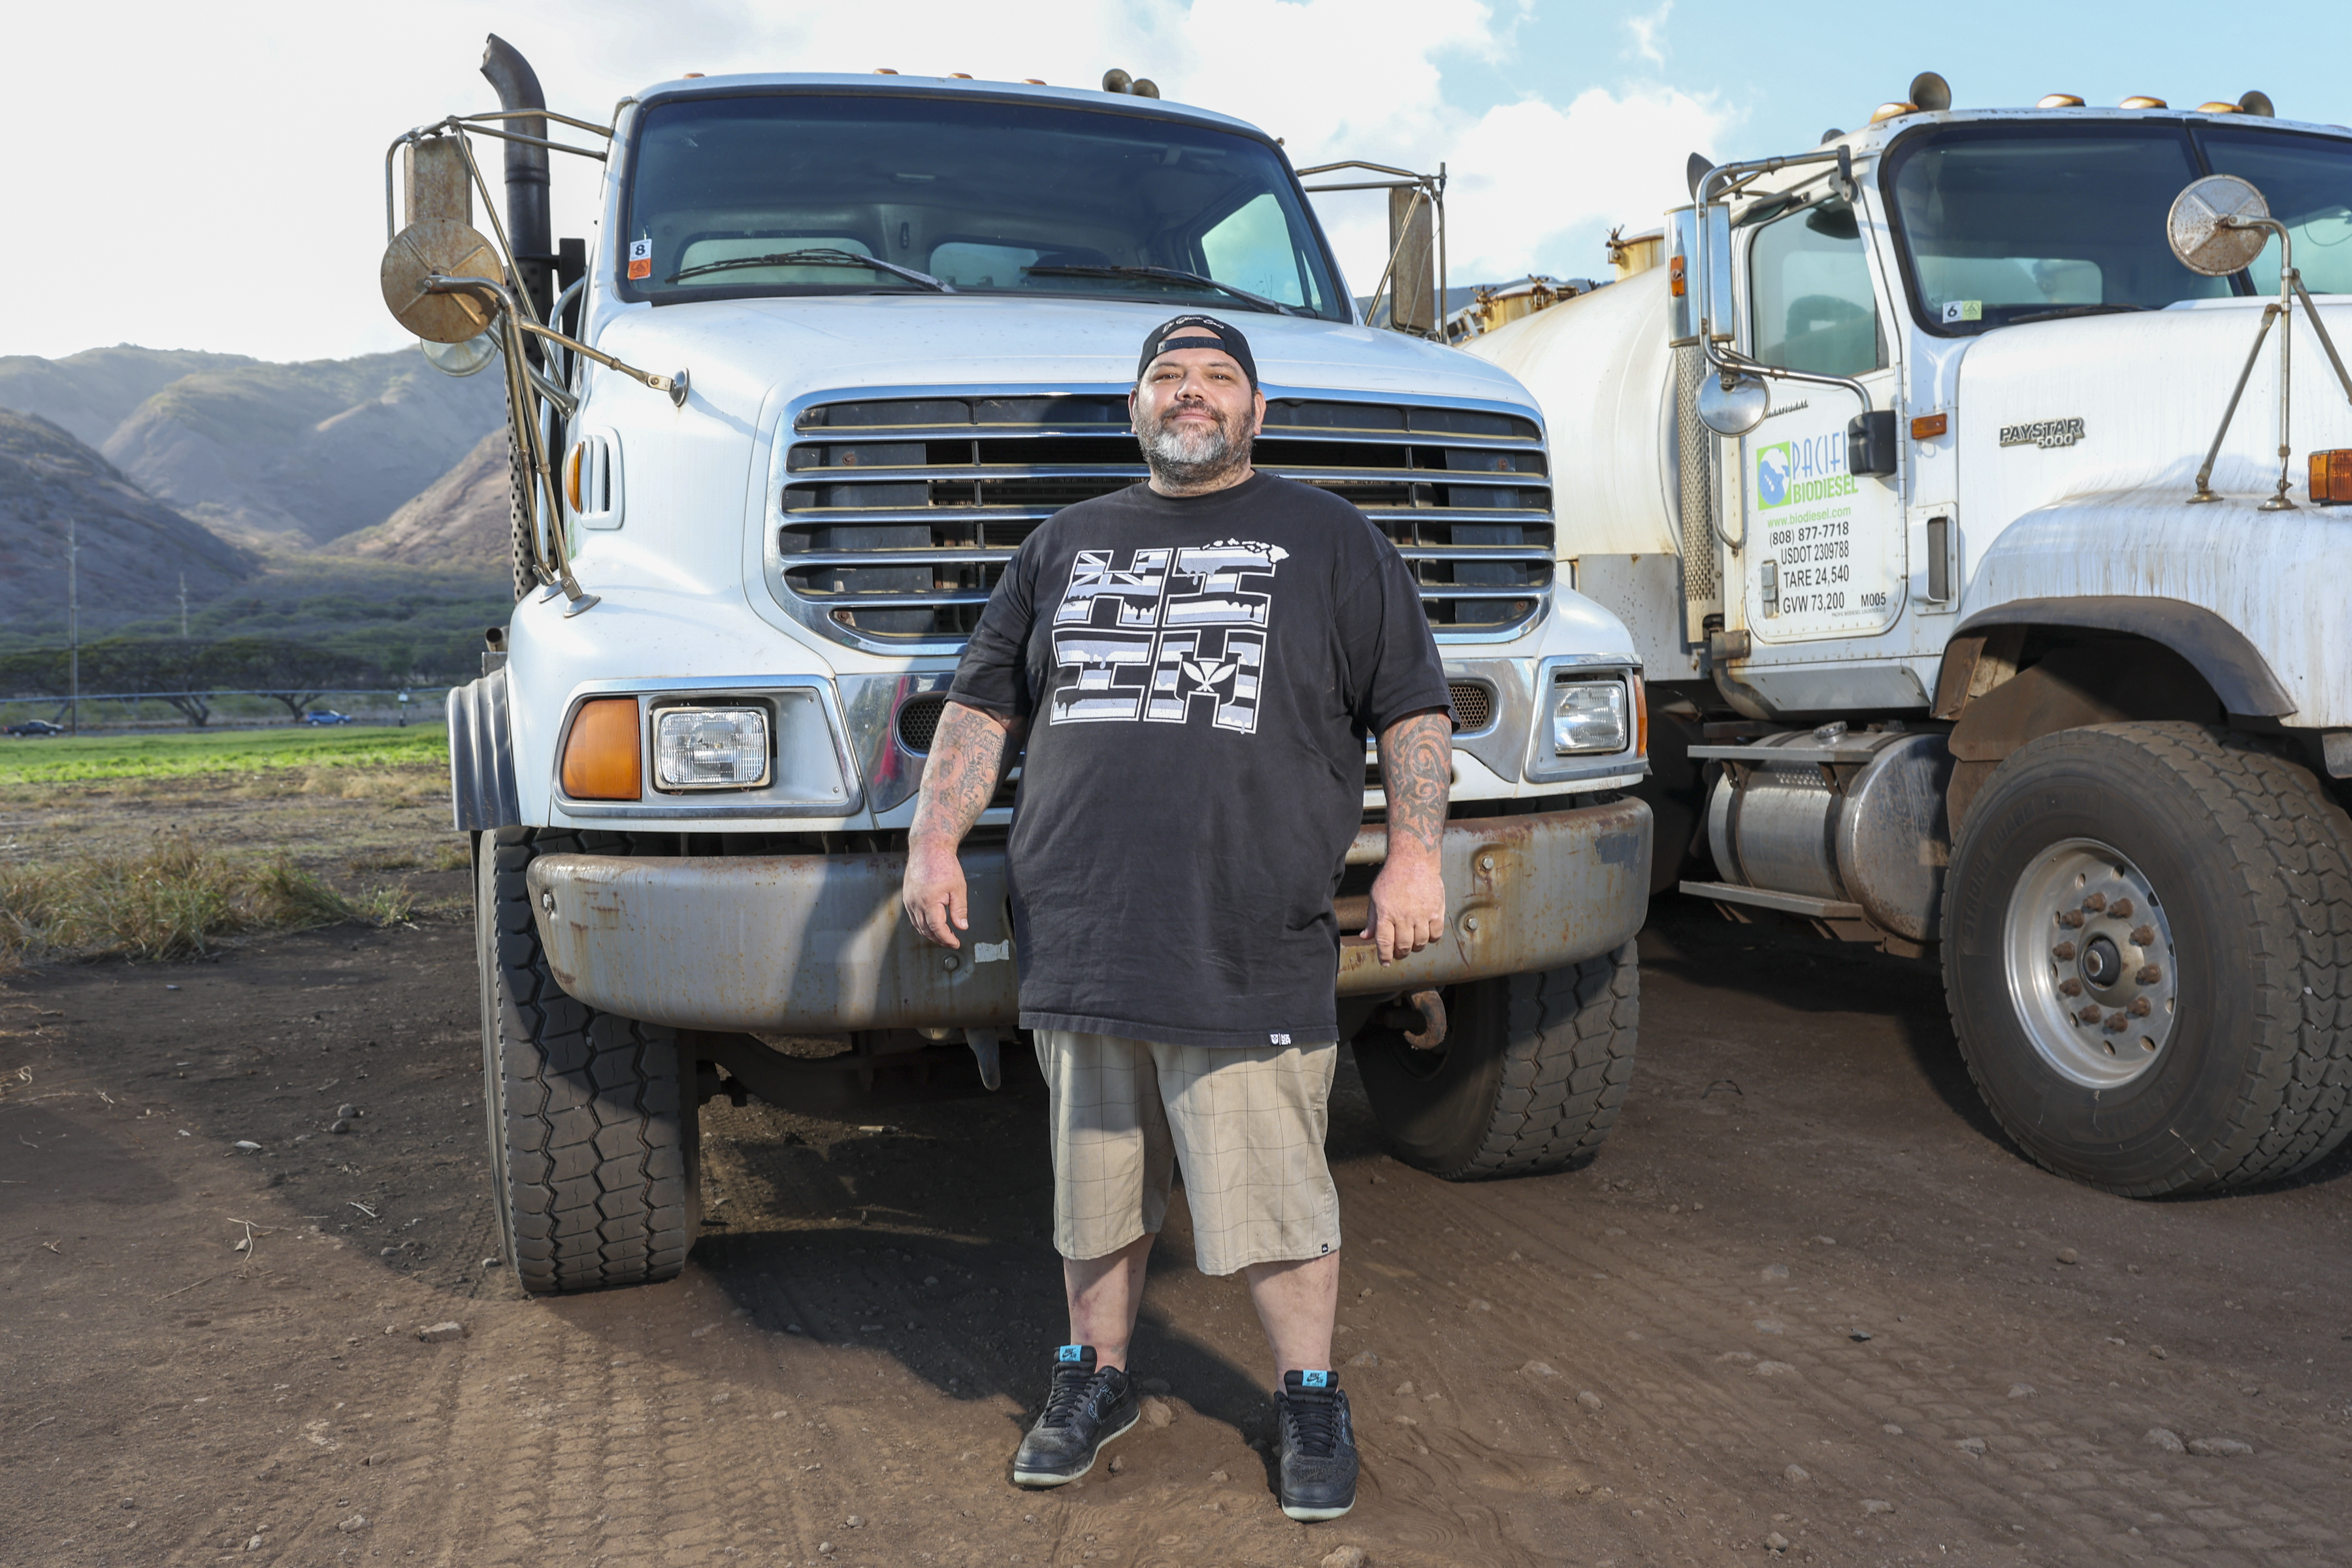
x=2331 y=476
x=602 y=759
x=1640 y=717
x=572 y=464
x=1928 y=425
x=1674 y=283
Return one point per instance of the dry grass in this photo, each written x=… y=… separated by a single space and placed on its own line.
x=176 y=899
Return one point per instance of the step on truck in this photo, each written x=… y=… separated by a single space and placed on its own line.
x=835 y=346
x=1973 y=485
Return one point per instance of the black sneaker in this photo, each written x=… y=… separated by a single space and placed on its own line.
x=1085 y=1409
x=1318 y=1446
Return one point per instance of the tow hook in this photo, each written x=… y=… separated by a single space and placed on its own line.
x=1431 y=1032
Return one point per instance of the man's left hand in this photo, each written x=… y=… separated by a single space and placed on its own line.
x=1408 y=907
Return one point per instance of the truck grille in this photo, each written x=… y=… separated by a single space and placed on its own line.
x=896 y=516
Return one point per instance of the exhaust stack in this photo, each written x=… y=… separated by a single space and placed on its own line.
x=528 y=226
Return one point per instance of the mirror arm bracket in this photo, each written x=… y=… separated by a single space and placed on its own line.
x=675 y=385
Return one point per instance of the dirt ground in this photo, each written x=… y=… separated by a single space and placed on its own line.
x=1806 y=1295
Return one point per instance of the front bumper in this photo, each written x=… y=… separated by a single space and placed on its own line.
x=817 y=943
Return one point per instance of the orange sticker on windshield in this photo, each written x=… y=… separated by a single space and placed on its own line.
x=641 y=259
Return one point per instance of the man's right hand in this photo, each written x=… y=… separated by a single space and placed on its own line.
x=934 y=892
x=967 y=760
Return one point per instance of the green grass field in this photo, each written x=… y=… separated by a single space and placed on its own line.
x=178 y=755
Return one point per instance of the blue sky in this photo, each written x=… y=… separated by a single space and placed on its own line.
x=228 y=194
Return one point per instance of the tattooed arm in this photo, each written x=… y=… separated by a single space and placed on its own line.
x=1409 y=896
x=969 y=759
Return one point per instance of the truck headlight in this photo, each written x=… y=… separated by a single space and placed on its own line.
x=711 y=748
x=1588 y=716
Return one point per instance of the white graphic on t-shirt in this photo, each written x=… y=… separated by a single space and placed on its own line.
x=1170 y=632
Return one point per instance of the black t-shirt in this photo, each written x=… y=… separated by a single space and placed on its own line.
x=1199 y=674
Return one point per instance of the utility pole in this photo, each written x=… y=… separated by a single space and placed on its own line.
x=73 y=626
x=184 y=606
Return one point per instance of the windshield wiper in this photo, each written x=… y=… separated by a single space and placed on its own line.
x=1165 y=274
x=824 y=255
x=2062 y=311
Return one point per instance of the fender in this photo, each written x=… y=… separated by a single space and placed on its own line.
x=482 y=793
x=2231 y=666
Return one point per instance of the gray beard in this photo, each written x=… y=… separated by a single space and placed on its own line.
x=1185 y=460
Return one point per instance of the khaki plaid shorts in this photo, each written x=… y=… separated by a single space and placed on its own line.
x=1246 y=1125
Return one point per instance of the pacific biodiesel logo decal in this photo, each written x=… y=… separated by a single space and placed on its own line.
x=1791 y=473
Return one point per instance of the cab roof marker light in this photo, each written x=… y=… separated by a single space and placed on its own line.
x=2059 y=101
x=2218 y=107
x=1892 y=111
x=2141 y=100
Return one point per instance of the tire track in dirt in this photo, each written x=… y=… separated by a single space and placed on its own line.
x=2064 y=1466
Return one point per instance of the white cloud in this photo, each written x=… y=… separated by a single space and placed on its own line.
x=1644 y=32
x=229 y=195
x=1530 y=177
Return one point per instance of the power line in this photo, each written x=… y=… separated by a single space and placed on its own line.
x=73 y=622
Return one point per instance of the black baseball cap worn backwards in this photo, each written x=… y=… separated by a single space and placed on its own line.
x=1198 y=332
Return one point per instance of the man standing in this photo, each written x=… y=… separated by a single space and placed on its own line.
x=1195 y=664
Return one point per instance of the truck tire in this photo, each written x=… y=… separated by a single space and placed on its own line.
x=595 y=1143
x=2207 y=1038
x=1528 y=1079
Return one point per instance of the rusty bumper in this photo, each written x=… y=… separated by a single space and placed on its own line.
x=817 y=945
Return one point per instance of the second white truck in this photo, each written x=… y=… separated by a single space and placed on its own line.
x=1973 y=484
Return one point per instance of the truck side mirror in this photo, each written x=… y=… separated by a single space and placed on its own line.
x=1412 y=275
x=2215 y=224
x=1732 y=405
x=445 y=248
x=1870 y=443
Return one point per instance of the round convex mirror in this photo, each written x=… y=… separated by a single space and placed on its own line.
x=1732 y=410
x=2201 y=227
x=448 y=247
x=461 y=359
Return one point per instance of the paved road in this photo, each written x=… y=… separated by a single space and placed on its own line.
x=1805 y=1295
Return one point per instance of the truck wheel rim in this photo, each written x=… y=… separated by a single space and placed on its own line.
x=2092 y=971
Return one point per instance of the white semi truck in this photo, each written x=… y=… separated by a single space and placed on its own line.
x=1968 y=482
x=833 y=347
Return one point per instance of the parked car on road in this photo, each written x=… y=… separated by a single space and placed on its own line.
x=35 y=727
x=328 y=716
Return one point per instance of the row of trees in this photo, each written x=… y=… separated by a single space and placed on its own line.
x=189 y=673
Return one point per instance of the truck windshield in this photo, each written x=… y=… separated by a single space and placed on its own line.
x=984 y=197
x=2006 y=223
x=2307 y=181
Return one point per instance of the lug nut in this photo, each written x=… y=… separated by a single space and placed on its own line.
x=2096 y=902
x=2144 y=936
x=2090 y=1015
x=2070 y=986
x=2149 y=973
x=2062 y=951
x=2121 y=908
x=2072 y=918
x=2115 y=1020
x=2140 y=1007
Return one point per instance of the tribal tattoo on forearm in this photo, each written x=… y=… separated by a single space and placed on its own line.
x=1417 y=772
x=970 y=757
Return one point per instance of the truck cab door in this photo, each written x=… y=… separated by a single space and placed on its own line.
x=1824 y=553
